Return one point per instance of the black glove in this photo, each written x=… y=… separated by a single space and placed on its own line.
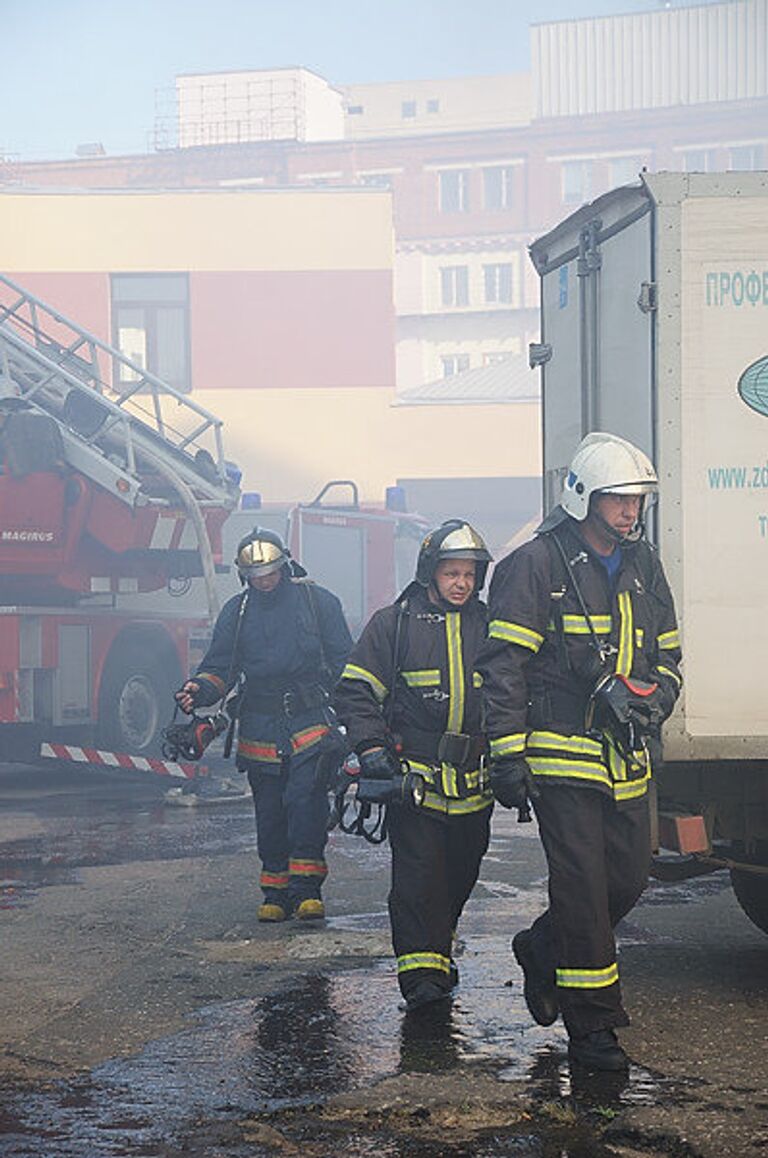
x=333 y=750
x=512 y=783
x=379 y=770
x=665 y=698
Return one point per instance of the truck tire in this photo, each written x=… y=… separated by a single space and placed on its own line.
x=135 y=703
x=751 y=891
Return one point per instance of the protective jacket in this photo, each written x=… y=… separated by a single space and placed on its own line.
x=425 y=699
x=291 y=646
x=540 y=664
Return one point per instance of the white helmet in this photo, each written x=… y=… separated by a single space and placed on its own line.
x=608 y=464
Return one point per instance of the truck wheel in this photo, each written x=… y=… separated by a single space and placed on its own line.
x=135 y=704
x=751 y=891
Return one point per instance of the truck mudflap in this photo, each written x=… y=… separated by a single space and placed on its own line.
x=95 y=756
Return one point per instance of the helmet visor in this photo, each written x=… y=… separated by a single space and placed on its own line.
x=259 y=557
x=463 y=543
x=630 y=488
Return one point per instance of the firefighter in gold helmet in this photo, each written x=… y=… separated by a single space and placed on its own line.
x=580 y=670
x=410 y=701
x=287 y=639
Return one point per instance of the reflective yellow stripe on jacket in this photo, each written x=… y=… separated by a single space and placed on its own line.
x=553 y=756
x=455 y=672
x=515 y=633
x=512 y=745
x=353 y=672
x=451 y=804
x=626 y=655
x=428 y=678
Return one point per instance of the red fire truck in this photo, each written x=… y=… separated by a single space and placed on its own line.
x=112 y=507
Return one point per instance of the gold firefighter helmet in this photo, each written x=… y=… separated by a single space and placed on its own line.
x=260 y=553
x=454 y=539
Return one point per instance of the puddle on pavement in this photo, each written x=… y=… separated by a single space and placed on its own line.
x=106 y=834
x=324 y=1035
x=685 y=891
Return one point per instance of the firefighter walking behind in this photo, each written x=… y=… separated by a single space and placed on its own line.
x=580 y=670
x=410 y=701
x=288 y=640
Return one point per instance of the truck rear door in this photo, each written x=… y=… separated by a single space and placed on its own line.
x=597 y=300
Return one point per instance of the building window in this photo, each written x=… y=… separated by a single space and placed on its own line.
x=433 y=106
x=408 y=109
x=698 y=160
x=499 y=187
x=355 y=110
x=623 y=170
x=454 y=285
x=454 y=364
x=744 y=158
x=491 y=359
x=150 y=325
x=576 y=182
x=454 y=190
x=376 y=180
x=498 y=282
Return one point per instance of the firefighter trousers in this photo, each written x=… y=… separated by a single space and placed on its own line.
x=291 y=830
x=435 y=864
x=599 y=857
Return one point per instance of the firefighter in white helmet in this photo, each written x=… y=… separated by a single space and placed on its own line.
x=580 y=670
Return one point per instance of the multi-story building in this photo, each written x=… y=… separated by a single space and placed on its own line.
x=476 y=168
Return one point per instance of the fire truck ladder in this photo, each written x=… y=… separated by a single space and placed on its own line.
x=119 y=422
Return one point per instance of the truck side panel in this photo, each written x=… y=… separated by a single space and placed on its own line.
x=724 y=466
x=655 y=350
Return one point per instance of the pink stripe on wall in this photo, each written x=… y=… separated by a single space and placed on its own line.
x=323 y=328
x=83 y=297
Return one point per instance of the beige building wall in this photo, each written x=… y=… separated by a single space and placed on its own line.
x=457 y=104
x=288 y=443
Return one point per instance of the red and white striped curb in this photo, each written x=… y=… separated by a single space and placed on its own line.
x=122 y=760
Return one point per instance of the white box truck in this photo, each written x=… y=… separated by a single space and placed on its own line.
x=654 y=326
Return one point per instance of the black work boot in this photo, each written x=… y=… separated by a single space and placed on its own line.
x=539 y=990
x=425 y=992
x=599 y=1050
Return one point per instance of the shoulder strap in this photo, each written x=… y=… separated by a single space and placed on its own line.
x=403 y=610
x=645 y=562
x=595 y=639
x=561 y=571
x=232 y=705
x=236 y=640
x=309 y=587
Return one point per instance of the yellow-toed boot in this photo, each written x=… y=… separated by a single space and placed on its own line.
x=272 y=912
x=312 y=909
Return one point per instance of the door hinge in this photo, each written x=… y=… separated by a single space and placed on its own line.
x=538 y=354
x=648 y=299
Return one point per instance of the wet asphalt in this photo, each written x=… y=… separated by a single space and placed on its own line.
x=145 y=1012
